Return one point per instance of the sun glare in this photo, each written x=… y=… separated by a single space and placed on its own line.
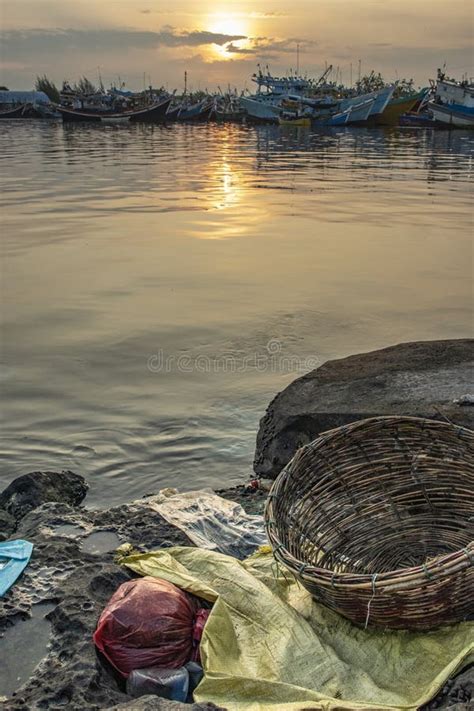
x=227 y=23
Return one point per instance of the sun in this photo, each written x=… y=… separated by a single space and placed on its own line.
x=227 y=23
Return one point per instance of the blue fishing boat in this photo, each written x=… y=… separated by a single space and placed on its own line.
x=337 y=119
x=359 y=113
x=201 y=111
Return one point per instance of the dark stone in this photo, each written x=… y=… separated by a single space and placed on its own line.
x=7 y=525
x=422 y=379
x=31 y=490
x=154 y=703
x=79 y=583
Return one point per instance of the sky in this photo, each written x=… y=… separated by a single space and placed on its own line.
x=220 y=42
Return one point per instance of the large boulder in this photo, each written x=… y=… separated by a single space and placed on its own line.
x=421 y=379
x=29 y=491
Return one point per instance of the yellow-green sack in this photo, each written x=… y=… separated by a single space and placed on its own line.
x=267 y=646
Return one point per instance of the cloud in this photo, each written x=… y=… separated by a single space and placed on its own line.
x=267 y=15
x=281 y=46
x=234 y=49
x=17 y=44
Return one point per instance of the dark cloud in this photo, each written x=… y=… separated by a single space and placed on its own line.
x=234 y=49
x=17 y=44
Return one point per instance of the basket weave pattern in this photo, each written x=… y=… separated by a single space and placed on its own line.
x=376 y=519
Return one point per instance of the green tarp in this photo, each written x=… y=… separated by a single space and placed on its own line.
x=268 y=646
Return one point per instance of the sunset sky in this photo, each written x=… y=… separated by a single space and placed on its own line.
x=220 y=42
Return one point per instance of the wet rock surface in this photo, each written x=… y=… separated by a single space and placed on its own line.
x=422 y=379
x=29 y=491
x=71 y=576
x=51 y=612
x=153 y=703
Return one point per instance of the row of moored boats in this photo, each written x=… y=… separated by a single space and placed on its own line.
x=291 y=100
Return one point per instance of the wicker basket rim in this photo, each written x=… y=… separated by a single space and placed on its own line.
x=385 y=419
x=437 y=567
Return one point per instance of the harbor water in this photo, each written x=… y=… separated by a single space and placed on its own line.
x=161 y=284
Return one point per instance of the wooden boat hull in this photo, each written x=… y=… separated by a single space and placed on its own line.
x=150 y=114
x=196 y=113
x=302 y=122
x=360 y=113
x=17 y=112
x=172 y=114
x=339 y=119
x=450 y=117
x=396 y=108
x=380 y=98
x=422 y=120
x=259 y=111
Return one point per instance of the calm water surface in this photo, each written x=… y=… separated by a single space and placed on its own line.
x=161 y=284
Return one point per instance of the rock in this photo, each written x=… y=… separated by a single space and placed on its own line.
x=67 y=584
x=7 y=525
x=76 y=579
x=31 y=490
x=154 y=703
x=421 y=379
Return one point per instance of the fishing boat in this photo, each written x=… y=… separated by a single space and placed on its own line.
x=454 y=116
x=359 y=113
x=260 y=110
x=397 y=107
x=173 y=112
x=16 y=112
x=380 y=97
x=202 y=111
x=25 y=104
x=302 y=121
x=339 y=119
x=265 y=105
x=453 y=104
x=454 y=93
x=422 y=119
x=151 y=114
x=336 y=119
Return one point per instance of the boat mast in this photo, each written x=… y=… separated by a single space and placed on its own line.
x=297 y=59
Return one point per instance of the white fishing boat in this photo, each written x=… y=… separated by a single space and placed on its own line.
x=265 y=105
x=452 y=115
x=453 y=103
x=455 y=93
x=359 y=113
x=260 y=109
x=380 y=100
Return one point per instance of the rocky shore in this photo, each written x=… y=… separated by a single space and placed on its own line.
x=48 y=617
x=51 y=612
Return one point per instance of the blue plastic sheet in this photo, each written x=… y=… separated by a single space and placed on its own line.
x=14 y=557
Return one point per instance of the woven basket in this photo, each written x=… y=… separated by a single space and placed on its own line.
x=376 y=520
